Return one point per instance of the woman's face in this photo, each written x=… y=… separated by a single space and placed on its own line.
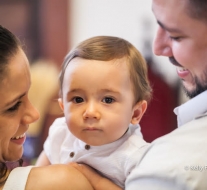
x=16 y=111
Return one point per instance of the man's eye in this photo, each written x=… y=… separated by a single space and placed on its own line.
x=78 y=99
x=15 y=107
x=108 y=100
x=175 y=38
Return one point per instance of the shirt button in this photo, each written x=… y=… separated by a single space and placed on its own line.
x=72 y=154
x=87 y=147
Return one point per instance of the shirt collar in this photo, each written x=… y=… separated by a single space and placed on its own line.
x=108 y=147
x=191 y=109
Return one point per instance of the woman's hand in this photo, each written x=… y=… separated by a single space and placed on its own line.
x=56 y=177
x=97 y=181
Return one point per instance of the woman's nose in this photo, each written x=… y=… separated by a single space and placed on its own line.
x=91 y=112
x=31 y=114
x=162 y=43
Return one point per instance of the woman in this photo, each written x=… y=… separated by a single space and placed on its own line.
x=16 y=113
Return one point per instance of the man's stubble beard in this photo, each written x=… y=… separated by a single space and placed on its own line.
x=201 y=86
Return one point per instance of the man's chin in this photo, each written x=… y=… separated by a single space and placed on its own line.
x=193 y=91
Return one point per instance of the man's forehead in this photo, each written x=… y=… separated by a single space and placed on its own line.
x=169 y=13
x=170 y=5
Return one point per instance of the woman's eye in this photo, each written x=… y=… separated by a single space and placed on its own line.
x=15 y=107
x=78 y=99
x=108 y=100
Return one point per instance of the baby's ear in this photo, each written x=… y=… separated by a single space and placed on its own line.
x=138 y=111
x=60 y=101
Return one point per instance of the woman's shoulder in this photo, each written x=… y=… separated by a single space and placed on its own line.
x=52 y=177
x=17 y=178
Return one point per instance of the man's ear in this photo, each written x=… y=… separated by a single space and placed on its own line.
x=138 y=111
x=60 y=101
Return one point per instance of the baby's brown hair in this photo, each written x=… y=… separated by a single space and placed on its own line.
x=106 y=48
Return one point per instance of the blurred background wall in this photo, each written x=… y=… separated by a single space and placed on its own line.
x=50 y=28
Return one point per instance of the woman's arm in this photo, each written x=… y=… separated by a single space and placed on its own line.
x=57 y=177
x=97 y=181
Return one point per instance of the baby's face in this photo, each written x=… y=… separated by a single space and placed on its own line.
x=97 y=100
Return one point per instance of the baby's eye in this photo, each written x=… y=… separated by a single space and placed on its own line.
x=108 y=100
x=15 y=107
x=77 y=100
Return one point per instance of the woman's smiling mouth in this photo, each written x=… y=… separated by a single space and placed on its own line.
x=18 y=137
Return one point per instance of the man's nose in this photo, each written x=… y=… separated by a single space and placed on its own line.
x=162 y=43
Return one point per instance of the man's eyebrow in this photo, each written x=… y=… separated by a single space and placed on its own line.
x=175 y=30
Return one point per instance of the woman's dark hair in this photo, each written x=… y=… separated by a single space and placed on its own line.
x=9 y=45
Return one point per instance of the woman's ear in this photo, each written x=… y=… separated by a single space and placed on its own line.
x=60 y=101
x=138 y=111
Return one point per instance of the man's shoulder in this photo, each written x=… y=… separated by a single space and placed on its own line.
x=193 y=129
x=185 y=145
x=176 y=160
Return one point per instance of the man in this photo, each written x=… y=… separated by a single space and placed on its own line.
x=179 y=159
